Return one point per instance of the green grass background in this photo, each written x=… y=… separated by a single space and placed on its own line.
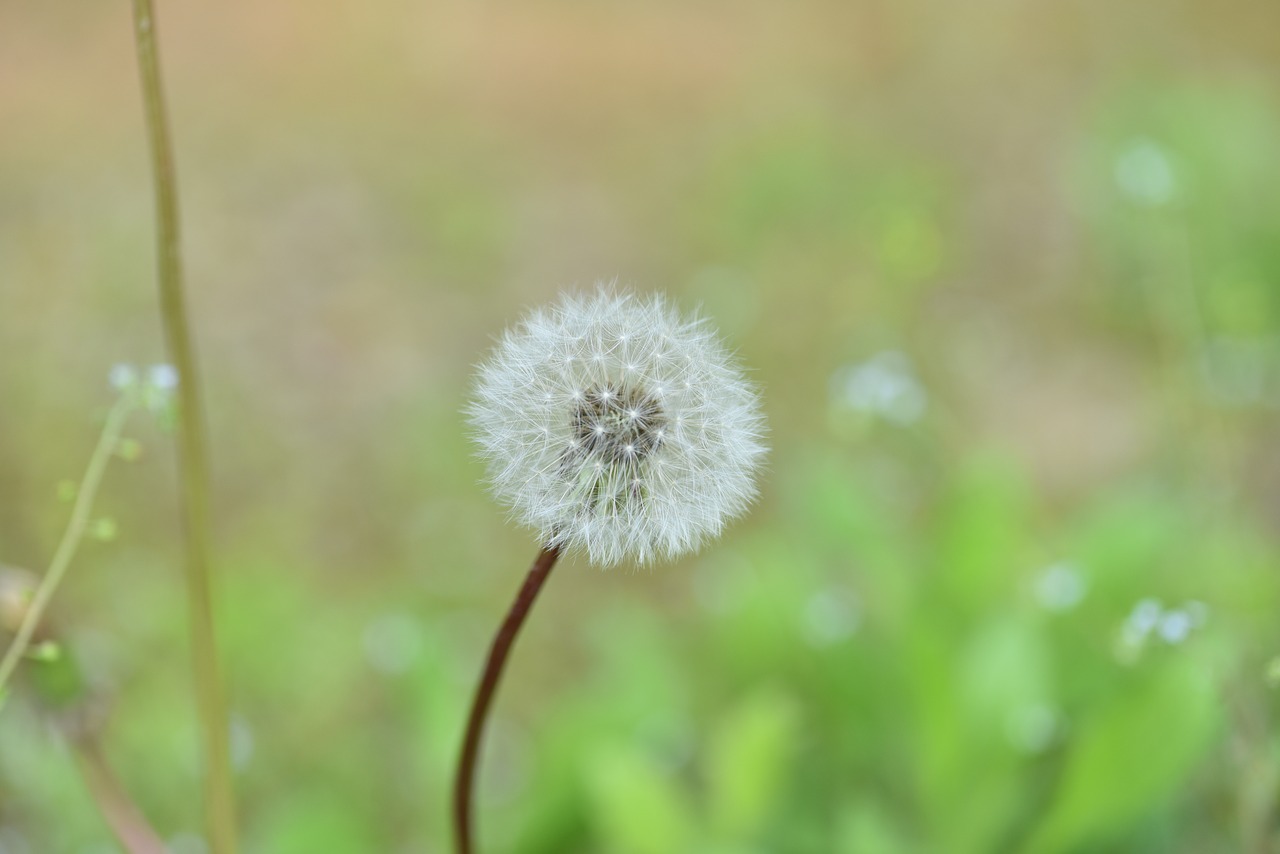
x=1066 y=217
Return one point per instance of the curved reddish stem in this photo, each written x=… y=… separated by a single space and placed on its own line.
x=464 y=783
x=121 y=814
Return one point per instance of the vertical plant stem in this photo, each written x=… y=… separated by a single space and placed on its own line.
x=71 y=537
x=498 y=653
x=192 y=460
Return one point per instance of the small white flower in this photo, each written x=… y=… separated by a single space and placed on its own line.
x=1145 y=173
x=884 y=385
x=163 y=377
x=1061 y=587
x=122 y=376
x=1145 y=616
x=613 y=424
x=1174 y=626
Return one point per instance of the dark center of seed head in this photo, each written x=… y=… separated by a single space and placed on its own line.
x=618 y=424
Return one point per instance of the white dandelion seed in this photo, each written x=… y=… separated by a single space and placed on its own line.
x=611 y=423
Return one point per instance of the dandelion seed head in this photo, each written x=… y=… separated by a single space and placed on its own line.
x=614 y=425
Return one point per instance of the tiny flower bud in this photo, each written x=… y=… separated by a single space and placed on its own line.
x=45 y=651
x=129 y=450
x=104 y=529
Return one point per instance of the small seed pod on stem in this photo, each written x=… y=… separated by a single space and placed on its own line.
x=615 y=426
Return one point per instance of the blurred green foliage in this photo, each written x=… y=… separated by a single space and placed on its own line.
x=1011 y=283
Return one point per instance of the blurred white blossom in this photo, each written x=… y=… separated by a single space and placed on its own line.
x=884 y=385
x=1150 y=619
x=154 y=389
x=1145 y=174
x=122 y=376
x=830 y=616
x=1060 y=587
x=1174 y=626
x=163 y=376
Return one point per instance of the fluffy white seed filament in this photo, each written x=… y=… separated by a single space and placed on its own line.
x=614 y=425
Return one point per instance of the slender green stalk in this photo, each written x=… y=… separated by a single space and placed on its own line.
x=71 y=537
x=192 y=460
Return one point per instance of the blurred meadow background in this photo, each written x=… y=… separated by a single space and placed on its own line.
x=1007 y=272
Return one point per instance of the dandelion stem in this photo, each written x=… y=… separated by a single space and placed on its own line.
x=219 y=796
x=498 y=653
x=71 y=537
